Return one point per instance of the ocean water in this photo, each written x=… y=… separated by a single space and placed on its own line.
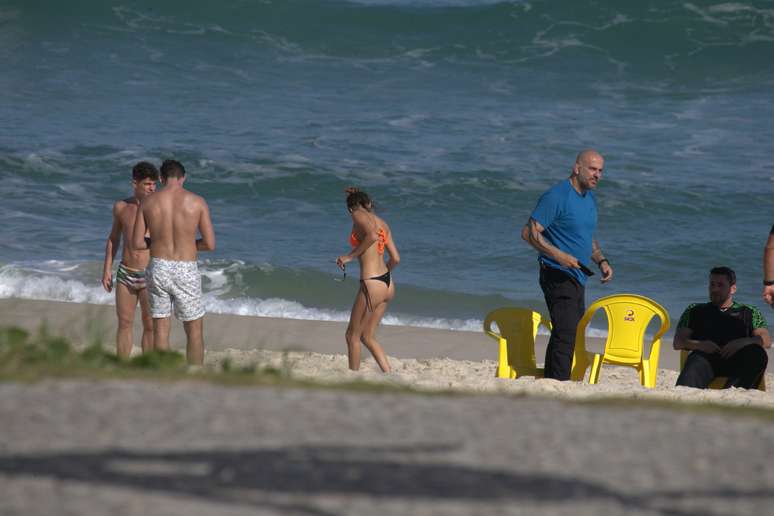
x=455 y=115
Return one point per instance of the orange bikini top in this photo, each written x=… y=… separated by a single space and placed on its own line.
x=381 y=240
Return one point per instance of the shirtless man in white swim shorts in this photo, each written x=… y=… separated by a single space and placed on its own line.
x=130 y=277
x=173 y=216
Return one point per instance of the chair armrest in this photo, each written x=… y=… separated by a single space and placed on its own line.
x=494 y=335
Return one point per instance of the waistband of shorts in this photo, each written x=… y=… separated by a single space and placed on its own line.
x=175 y=262
x=125 y=267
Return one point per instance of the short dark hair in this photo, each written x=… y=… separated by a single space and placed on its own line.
x=172 y=168
x=725 y=271
x=144 y=170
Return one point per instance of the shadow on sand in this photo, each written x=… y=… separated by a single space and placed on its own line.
x=243 y=476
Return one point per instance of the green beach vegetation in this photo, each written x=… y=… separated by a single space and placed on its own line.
x=26 y=357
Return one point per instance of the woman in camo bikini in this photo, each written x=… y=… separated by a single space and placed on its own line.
x=369 y=238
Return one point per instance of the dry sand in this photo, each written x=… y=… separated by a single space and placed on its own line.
x=422 y=358
x=132 y=448
x=192 y=449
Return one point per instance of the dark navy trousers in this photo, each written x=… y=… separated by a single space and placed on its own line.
x=565 y=298
x=744 y=369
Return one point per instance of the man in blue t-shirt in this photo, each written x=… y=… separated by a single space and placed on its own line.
x=561 y=229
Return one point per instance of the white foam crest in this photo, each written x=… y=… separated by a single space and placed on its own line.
x=14 y=283
x=419 y=53
x=278 y=42
x=407 y=122
x=35 y=161
x=73 y=189
x=46 y=285
x=286 y=309
x=442 y=3
x=736 y=8
x=703 y=14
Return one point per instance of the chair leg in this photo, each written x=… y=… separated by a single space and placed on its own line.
x=503 y=369
x=596 y=366
x=647 y=376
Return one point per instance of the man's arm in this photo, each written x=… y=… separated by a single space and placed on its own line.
x=763 y=335
x=760 y=337
x=599 y=258
x=768 y=269
x=139 y=230
x=207 y=241
x=683 y=340
x=111 y=248
x=532 y=233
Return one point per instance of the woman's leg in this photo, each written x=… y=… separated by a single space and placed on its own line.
x=355 y=329
x=368 y=338
x=380 y=297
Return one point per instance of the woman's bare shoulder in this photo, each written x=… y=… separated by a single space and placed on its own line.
x=382 y=223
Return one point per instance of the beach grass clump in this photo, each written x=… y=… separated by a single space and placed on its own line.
x=27 y=357
x=18 y=350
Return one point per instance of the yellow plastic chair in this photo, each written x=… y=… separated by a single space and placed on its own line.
x=628 y=316
x=720 y=381
x=518 y=328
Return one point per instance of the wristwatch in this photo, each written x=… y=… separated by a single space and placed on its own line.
x=767 y=283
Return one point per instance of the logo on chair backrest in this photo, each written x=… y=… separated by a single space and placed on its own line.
x=629 y=316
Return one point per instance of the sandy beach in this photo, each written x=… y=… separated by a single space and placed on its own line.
x=423 y=358
x=130 y=448
x=192 y=449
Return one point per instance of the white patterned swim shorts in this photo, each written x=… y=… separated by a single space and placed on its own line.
x=173 y=282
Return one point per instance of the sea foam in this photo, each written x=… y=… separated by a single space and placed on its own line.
x=45 y=284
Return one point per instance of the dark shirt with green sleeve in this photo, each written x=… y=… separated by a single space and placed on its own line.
x=708 y=322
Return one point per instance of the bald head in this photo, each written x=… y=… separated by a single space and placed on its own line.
x=585 y=155
x=587 y=170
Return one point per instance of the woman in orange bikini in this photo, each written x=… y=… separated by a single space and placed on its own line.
x=369 y=238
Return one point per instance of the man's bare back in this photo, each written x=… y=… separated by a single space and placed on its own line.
x=173 y=216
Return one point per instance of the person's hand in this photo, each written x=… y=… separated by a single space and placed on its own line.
x=768 y=295
x=342 y=260
x=732 y=347
x=569 y=261
x=606 y=270
x=107 y=281
x=707 y=346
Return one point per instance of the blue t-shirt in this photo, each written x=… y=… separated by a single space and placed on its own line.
x=570 y=220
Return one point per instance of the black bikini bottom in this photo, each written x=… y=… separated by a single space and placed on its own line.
x=384 y=277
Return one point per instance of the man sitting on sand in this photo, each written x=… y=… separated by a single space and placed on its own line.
x=173 y=216
x=130 y=278
x=725 y=338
